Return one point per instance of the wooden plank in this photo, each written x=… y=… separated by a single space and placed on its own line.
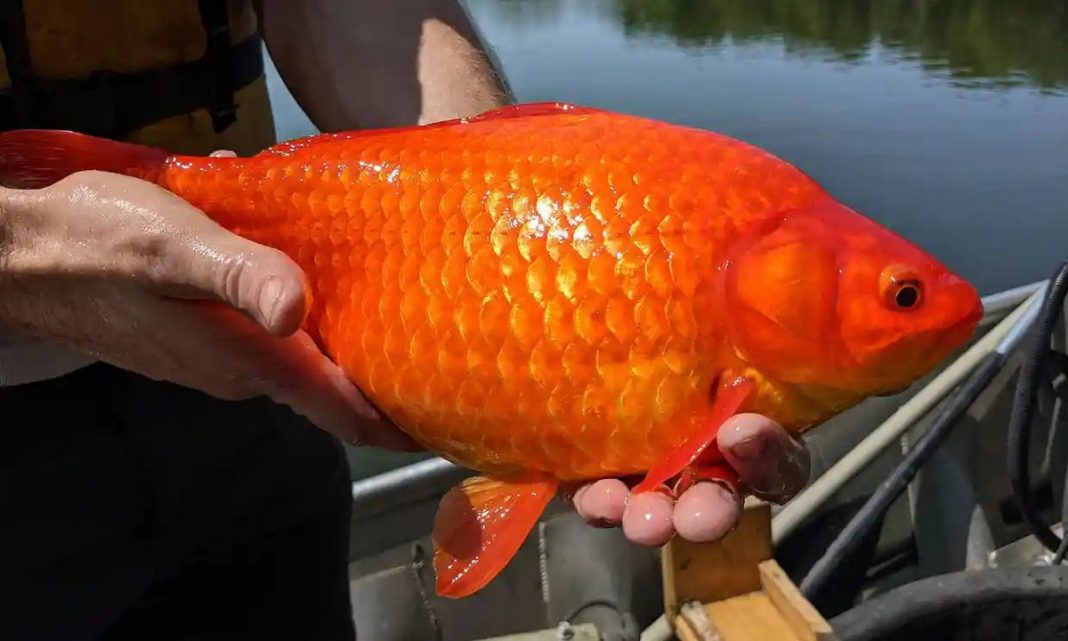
x=750 y=617
x=708 y=572
x=805 y=621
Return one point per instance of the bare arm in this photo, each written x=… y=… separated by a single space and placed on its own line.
x=354 y=64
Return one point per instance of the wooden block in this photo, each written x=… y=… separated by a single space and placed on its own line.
x=746 y=596
x=708 y=572
x=749 y=617
x=805 y=621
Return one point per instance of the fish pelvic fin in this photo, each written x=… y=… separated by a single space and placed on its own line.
x=35 y=158
x=526 y=110
x=479 y=527
x=692 y=456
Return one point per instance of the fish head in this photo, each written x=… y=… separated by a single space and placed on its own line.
x=826 y=298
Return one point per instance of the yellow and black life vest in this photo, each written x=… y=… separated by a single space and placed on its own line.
x=184 y=75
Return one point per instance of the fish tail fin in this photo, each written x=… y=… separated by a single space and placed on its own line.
x=34 y=158
x=479 y=527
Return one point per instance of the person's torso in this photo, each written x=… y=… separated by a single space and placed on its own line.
x=156 y=59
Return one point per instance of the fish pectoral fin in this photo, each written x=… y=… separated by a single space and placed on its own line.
x=729 y=398
x=479 y=527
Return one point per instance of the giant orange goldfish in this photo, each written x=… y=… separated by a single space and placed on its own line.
x=551 y=293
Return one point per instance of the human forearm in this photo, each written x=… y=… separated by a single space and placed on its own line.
x=364 y=63
x=6 y=248
x=17 y=232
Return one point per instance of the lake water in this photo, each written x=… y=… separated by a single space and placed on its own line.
x=945 y=120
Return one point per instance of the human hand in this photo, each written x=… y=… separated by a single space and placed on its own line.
x=135 y=276
x=771 y=465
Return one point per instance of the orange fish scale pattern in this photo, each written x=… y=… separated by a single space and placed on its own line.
x=462 y=273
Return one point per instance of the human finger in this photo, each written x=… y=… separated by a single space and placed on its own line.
x=179 y=251
x=707 y=511
x=601 y=503
x=260 y=281
x=770 y=463
x=647 y=518
x=318 y=389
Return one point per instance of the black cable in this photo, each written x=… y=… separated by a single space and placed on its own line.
x=604 y=603
x=1023 y=409
x=868 y=517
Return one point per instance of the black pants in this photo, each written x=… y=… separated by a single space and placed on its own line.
x=133 y=509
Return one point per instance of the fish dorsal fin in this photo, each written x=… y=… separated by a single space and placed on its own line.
x=526 y=110
x=530 y=109
x=479 y=527
x=290 y=147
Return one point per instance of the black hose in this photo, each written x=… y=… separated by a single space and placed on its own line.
x=1023 y=409
x=1019 y=602
x=869 y=516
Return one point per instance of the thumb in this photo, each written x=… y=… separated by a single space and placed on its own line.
x=258 y=280
x=772 y=465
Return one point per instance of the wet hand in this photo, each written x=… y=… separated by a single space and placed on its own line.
x=135 y=276
x=771 y=465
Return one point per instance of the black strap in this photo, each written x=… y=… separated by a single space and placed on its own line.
x=114 y=105
x=216 y=23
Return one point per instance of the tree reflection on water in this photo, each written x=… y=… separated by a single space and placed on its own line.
x=972 y=42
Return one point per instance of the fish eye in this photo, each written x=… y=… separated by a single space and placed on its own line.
x=901 y=287
x=907 y=296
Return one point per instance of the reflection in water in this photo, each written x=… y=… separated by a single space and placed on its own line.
x=1008 y=42
x=523 y=11
x=984 y=43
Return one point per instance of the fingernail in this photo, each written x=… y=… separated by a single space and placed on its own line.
x=728 y=489
x=751 y=448
x=270 y=296
x=572 y=495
